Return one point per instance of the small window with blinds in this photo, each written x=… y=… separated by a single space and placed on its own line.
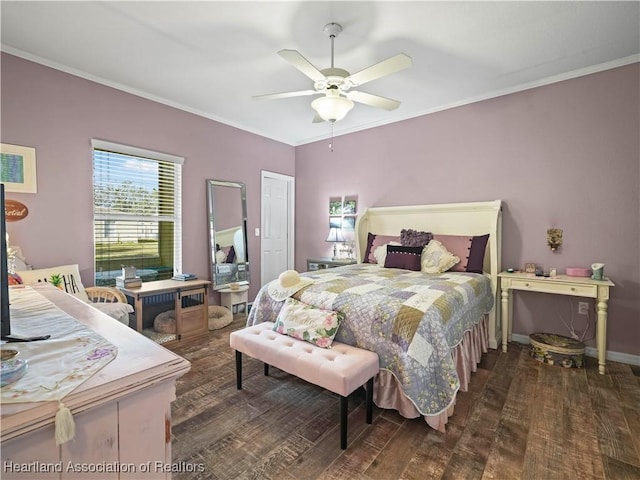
x=137 y=212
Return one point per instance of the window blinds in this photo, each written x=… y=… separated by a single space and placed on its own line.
x=137 y=212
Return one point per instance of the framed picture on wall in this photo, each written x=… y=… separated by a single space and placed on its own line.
x=18 y=168
x=335 y=207
x=349 y=222
x=349 y=207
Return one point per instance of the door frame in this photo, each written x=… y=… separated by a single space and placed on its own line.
x=291 y=193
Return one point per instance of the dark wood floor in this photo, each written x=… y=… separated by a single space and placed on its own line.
x=519 y=419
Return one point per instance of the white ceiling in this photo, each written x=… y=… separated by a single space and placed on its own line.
x=210 y=58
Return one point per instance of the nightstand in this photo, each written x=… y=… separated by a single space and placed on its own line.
x=230 y=298
x=322 y=263
x=558 y=285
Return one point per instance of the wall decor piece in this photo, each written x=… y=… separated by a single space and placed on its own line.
x=554 y=238
x=15 y=210
x=349 y=223
x=349 y=207
x=18 y=168
x=335 y=222
x=335 y=206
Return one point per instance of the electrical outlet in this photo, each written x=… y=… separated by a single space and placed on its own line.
x=583 y=308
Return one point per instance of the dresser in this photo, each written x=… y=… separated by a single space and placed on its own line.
x=558 y=285
x=122 y=413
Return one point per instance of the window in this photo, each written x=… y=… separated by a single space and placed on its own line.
x=136 y=212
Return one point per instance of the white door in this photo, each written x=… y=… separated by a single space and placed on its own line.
x=277 y=212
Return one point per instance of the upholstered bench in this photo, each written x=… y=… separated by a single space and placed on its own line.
x=340 y=369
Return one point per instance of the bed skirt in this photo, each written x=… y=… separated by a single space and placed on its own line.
x=466 y=356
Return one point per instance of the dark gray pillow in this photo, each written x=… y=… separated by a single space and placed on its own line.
x=407 y=258
x=414 y=238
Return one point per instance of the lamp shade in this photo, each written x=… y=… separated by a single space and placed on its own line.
x=335 y=235
x=332 y=107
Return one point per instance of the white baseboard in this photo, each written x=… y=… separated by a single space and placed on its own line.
x=592 y=352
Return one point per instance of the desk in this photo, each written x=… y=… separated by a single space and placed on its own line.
x=559 y=285
x=239 y=296
x=190 y=299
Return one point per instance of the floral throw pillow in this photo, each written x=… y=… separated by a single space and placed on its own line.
x=436 y=258
x=306 y=322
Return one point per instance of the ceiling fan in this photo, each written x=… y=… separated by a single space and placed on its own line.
x=335 y=83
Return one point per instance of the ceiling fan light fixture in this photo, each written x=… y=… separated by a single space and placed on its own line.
x=332 y=108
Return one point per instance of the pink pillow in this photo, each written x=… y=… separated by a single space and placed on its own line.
x=374 y=241
x=469 y=249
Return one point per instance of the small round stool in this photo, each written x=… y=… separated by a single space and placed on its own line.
x=165 y=322
x=219 y=317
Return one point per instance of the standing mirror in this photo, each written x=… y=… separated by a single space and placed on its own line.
x=227 y=209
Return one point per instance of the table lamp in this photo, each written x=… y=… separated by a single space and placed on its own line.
x=335 y=236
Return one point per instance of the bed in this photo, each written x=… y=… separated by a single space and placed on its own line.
x=429 y=330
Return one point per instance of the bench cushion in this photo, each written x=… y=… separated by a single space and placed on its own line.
x=341 y=369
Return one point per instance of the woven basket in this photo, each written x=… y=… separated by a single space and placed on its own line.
x=557 y=350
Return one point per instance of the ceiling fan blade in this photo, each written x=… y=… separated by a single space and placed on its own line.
x=296 y=59
x=385 y=67
x=373 y=100
x=273 y=96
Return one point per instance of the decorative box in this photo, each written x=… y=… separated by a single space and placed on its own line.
x=557 y=350
x=578 y=272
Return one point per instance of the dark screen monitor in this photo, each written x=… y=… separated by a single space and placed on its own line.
x=4 y=272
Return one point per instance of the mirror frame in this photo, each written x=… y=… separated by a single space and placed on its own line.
x=243 y=267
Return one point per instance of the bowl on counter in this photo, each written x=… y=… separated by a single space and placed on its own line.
x=12 y=369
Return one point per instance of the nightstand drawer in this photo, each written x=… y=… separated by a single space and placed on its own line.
x=546 y=286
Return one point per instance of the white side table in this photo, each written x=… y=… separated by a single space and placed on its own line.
x=230 y=298
x=559 y=285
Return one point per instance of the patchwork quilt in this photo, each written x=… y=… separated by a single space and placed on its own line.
x=412 y=320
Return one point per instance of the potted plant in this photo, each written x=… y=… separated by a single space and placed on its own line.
x=56 y=280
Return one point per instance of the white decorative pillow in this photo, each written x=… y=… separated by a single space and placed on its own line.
x=221 y=256
x=71 y=281
x=436 y=258
x=380 y=253
x=306 y=322
x=118 y=310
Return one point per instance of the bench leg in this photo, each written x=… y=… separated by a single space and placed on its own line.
x=239 y=370
x=344 y=412
x=370 y=400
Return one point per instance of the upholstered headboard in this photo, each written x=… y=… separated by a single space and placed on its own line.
x=475 y=218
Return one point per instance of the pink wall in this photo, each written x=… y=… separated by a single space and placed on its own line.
x=564 y=155
x=59 y=114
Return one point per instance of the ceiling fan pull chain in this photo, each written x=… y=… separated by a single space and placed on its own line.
x=331 y=142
